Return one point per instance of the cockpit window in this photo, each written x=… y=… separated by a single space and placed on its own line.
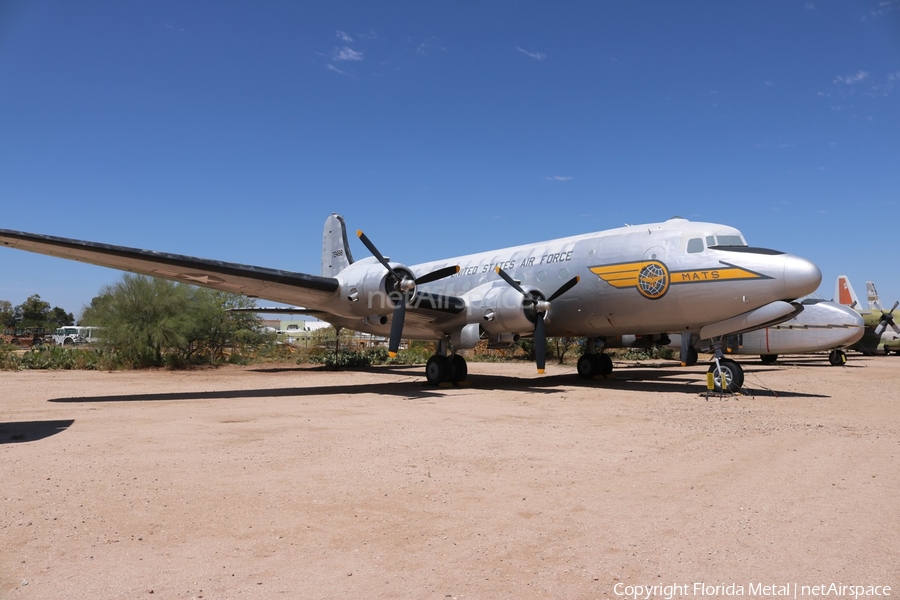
x=710 y=240
x=695 y=245
x=729 y=240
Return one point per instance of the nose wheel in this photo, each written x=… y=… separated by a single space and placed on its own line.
x=837 y=358
x=727 y=375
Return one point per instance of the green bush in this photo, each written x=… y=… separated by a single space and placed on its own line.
x=57 y=357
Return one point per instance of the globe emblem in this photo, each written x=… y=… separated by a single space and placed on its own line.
x=653 y=280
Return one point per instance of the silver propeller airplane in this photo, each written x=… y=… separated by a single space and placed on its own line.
x=699 y=279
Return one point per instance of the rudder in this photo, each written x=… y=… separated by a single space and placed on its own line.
x=844 y=294
x=335 y=250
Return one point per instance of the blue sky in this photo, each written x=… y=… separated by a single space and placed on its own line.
x=230 y=130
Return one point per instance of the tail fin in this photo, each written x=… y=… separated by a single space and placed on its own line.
x=335 y=250
x=872 y=296
x=844 y=294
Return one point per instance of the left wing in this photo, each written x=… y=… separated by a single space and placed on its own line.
x=273 y=284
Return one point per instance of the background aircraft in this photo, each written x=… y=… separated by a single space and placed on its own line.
x=821 y=326
x=695 y=278
x=882 y=332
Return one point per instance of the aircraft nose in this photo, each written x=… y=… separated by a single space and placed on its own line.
x=854 y=323
x=801 y=277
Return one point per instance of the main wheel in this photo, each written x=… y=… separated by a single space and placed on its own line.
x=437 y=369
x=691 y=357
x=458 y=368
x=768 y=359
x=604 y=364
x=837 y=358
x=587 y=366
x=731 y=371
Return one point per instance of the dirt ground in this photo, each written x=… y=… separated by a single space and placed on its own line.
x=296 y=482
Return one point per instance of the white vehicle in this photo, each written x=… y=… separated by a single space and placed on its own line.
x=73 y=335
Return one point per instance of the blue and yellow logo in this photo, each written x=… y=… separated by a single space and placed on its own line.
x=652 y=278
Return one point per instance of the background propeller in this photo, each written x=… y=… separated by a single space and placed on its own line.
x=887 y=320
x=540 y=307
x=401 y=289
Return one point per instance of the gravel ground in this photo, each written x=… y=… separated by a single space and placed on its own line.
x=298 y=482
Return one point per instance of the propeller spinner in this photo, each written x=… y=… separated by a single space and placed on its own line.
x=402 y=289
x=541 y=307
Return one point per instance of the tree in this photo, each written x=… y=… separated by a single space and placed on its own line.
x=7 y=314
x=562 y=345
x=153 y=321
x=60 y=318
x=34 y=312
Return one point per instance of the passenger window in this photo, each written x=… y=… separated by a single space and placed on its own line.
x=695 y=245
x=710 y=240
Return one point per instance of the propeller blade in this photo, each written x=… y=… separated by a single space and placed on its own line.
x=894 y=307
x=510 y=280
x=439 y=274
x=397 y=328
x=368 y=244
x=565 y=288
x=540 y=343
x=880 y=328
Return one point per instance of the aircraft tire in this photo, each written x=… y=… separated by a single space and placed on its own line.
x=768 y=359
x=604 y=364
x=837 y=358
x=733 y=372
x=437 y=369
x=458 y=368
x=587 y=366
x=691 y=357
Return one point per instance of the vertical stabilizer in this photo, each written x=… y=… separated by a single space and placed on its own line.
x=844 y=294
x=872 y=296
x=335 y=250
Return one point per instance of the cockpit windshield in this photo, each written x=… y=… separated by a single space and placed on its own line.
x=698 y=244
x=729 y=240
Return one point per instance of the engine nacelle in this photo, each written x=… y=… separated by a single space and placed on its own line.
x=500 y=308
x=367 y=289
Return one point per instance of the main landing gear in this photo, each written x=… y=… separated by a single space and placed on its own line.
x=594 y=363
x=442 y=368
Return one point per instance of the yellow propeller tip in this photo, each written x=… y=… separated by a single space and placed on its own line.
x=540 y=371
x=496 y=269
x=392 y=354
x=359 y=233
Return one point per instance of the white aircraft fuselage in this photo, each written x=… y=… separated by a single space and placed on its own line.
x=637 y=279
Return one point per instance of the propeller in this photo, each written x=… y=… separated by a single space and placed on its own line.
x=401 y=289
x=887 y=320
x=540 y=307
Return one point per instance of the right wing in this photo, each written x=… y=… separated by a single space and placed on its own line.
x=260 y=282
